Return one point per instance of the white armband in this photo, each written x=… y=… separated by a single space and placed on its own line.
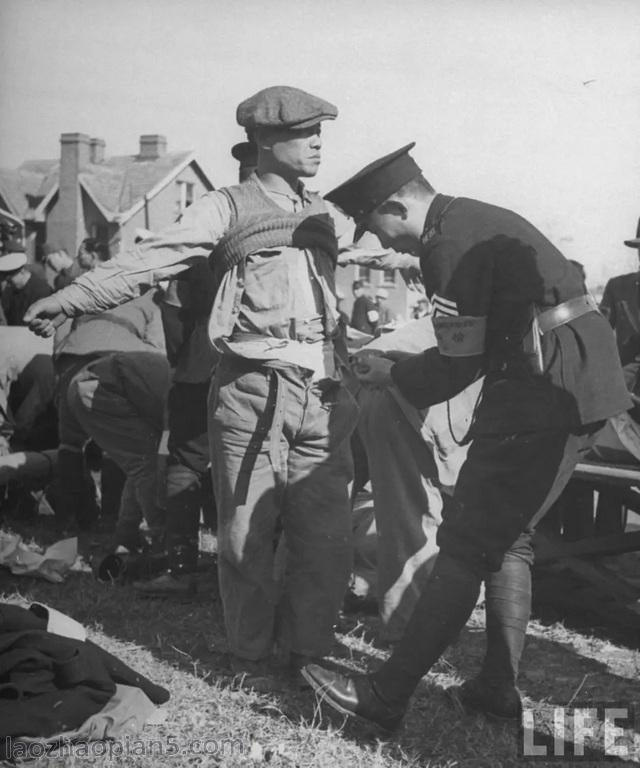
x=373 y=316
x=460 y=336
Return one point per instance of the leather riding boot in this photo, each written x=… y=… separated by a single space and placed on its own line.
x=442 y=610
x=507 y=605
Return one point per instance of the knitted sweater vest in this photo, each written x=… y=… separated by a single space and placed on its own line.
x=258 y=223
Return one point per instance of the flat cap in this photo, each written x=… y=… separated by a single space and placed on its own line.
x=371 y=186
x=14 y=256
x=282 y=106
x=635 y=241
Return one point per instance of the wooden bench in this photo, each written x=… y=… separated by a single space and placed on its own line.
x=574 y=566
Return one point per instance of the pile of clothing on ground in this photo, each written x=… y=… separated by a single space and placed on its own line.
x=57 y=687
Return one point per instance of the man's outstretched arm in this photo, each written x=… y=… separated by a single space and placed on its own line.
x=119 y=280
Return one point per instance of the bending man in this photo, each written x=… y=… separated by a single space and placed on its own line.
x=507 y=305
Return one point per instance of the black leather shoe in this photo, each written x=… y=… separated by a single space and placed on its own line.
x=499 y=701
x=353 y=696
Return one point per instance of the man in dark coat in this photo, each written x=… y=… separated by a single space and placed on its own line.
x=20 y=286
x=509 y=306
x=364 y=315
x=621 y=306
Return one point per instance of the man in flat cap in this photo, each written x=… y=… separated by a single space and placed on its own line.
x=510 y=307
x=279 y=420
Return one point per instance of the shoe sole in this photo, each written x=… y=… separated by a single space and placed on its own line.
x=321 y=693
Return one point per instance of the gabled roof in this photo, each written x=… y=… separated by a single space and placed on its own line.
x=22 y=187
x=118 y=186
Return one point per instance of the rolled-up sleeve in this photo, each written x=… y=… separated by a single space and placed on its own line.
x=158 y=257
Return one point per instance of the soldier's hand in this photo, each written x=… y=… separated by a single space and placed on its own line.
x=44 y=316
x=373 y=370
x=360 y=356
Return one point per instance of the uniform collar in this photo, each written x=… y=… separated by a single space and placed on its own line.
x=437 y=209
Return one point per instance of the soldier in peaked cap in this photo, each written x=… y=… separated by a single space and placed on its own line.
x=279 y=419
x=507 y=305
x=20 y=287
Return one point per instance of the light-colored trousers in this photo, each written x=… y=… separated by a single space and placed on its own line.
x=281 y=463
x=414 y=459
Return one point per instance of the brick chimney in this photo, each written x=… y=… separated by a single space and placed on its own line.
x=152 y=146
x=96 y=150
x=65 y=224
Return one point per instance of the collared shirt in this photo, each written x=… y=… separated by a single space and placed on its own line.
x=171 y=251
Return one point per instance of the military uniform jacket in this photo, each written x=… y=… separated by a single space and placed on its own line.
x=621 y=306
x=488 y=273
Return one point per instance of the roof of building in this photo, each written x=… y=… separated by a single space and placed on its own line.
x=118 y=185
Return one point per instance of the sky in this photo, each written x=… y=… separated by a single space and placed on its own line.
x=533 y=105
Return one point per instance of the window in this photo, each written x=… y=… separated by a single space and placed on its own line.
x=186 y=190
x=389 y=277
x=363 y=273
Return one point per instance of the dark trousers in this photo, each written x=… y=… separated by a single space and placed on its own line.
x=505 y=487
x=188 y=461
x=507 y=484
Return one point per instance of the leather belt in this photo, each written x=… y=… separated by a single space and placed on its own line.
x=566 y=312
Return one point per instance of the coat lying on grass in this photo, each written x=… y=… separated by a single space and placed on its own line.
x=51 y=678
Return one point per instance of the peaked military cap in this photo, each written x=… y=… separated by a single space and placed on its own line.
x=634 y=242
x=371 y=186
x=282 y=106
x=14 y=256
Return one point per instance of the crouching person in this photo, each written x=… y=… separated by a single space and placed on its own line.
x=113 y=379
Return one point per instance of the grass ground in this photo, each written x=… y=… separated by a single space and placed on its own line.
x=210 y=720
